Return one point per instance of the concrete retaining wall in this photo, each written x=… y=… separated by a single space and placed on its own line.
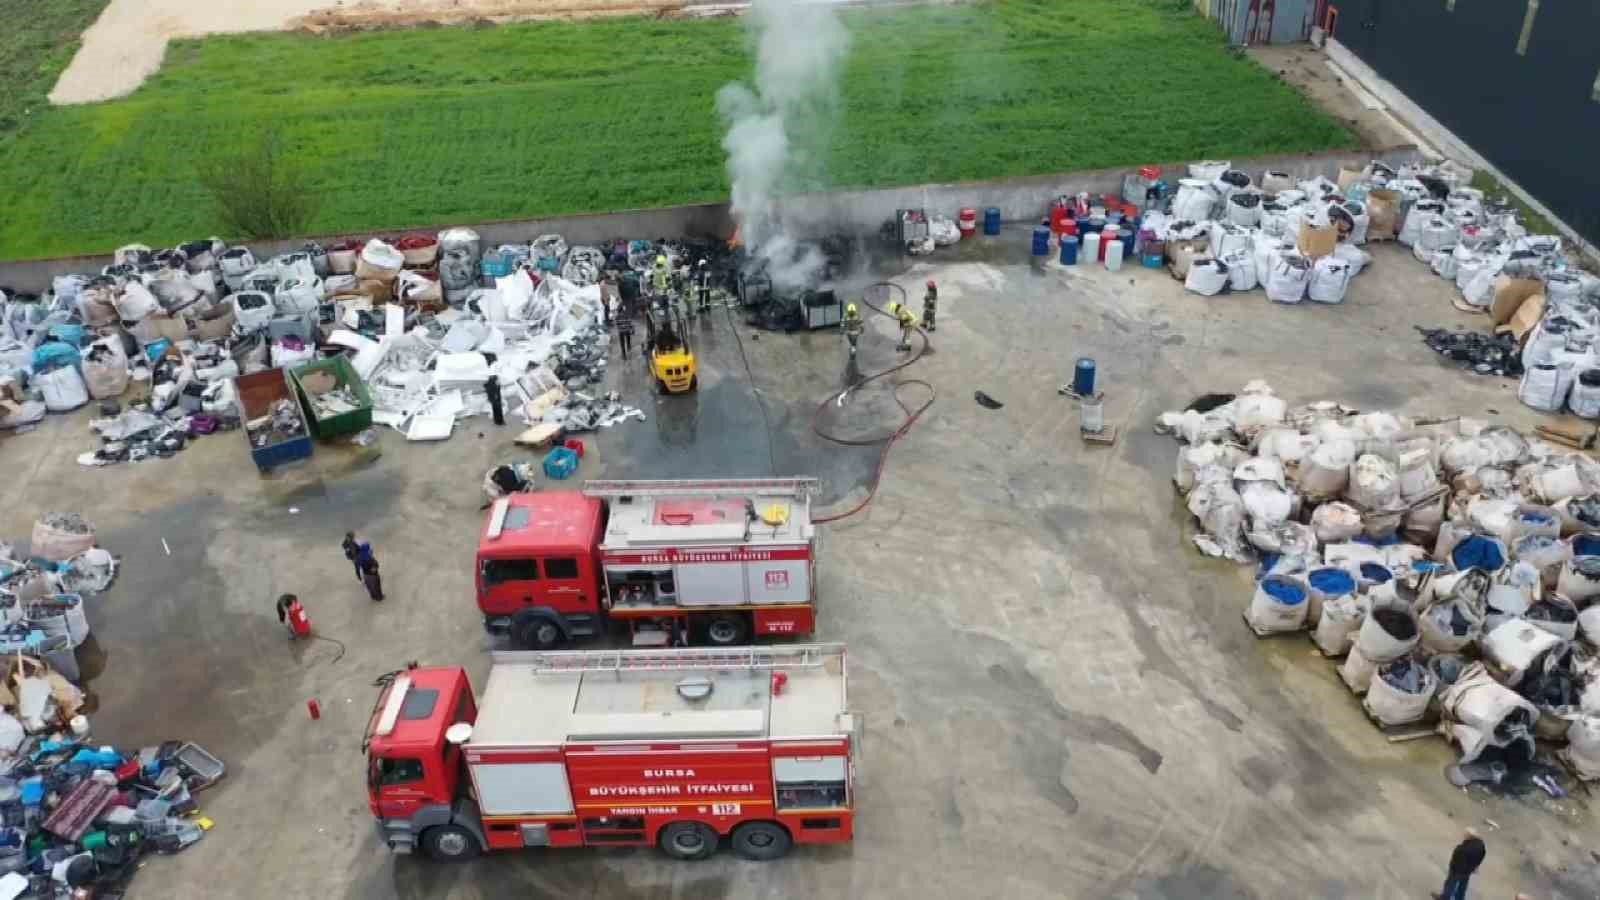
x=863 y=211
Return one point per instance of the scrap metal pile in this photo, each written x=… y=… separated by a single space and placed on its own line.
x=76 y=813
x=427 y=319
x=1454 y=565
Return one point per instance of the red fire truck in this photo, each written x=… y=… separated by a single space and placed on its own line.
x=677 y=748
x=713 y=561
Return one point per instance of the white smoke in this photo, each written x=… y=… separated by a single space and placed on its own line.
x=776 y=131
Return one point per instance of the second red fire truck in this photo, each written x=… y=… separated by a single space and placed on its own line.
x=676 y=748
x=681 y=562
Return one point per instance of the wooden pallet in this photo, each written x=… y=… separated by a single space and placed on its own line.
x=1399 y=734
x=1106 y=435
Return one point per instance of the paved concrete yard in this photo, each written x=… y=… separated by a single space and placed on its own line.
x=1061 y=698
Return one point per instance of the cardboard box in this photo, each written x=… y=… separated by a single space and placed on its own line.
x=1383 y=208
x=1316 y=243
x=1509 y=295
x=1526 y=316
x=1348 y=177
x=1182 y=254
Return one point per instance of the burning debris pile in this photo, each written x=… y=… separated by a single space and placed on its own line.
x=1454 y=565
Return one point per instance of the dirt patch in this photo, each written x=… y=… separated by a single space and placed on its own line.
x=383 y=14
x=126 y=44
x=1306 y=69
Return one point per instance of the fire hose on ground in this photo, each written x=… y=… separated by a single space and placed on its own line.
x=887 y=441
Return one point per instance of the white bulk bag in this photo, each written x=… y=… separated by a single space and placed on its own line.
x=1515 y=646
x=1286 y=445
x=1254 y=410
x=1545 y=386
x=1393 y=706
x=299 y=295
x=1329 y=279
x=252 y=310
x=1589 y=625
x=236 y=263
x=1209 y=170
x=1221 y=513
x=1437 y=236
x=1546 y=554
x=1374 y=483
x=378 y=261
x=1356 y=257
x=1262 y=249
x=1566 y=630
x=105 y=369
x=1417 y=476
x=1287 y=278
x=1336 y=521
x=63 y=389
x=1473 y=707
x=1274 y=182
x=1356 y=671
x=135 y=302
x=1419 y=215
x=58 y=544
x=1326 y=470
x=1227 y=238
x=283 y=357
x=1583 y=746
x=1194 y=201
x=1337 y=626
x=1584 y=396
x=1242 y=271
x=1244 y=209
x=1376 y=642
x=1207 y=277
x=1443 y=262
x=1278 y=605
x=1191 y=459
x=1437 y=625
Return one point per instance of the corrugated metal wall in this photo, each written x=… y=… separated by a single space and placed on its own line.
x=1519 y=80
x=1246 y=22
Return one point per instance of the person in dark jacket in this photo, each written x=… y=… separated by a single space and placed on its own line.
x=496 y=403
x=1465 y=860
x=373 y=581
x=352 y=551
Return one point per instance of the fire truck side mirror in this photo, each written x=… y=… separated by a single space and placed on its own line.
x=458 y=734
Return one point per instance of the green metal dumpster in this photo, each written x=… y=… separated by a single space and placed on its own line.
x=335 y=399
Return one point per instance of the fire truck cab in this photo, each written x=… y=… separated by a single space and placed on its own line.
x=674 y=748
x=704 y=561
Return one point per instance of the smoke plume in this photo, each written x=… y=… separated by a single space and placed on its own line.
x=778 y=130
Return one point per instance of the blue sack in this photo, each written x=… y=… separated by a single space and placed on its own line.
x=72 y=334
x=54 y=355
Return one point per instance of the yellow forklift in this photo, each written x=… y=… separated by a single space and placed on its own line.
x=671 y=359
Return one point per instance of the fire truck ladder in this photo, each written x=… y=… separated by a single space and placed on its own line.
x=794 y=656
x=797 y=488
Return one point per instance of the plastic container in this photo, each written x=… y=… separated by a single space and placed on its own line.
x=1083 y=373
x=1041 y=241
x=344 y=374
x=1069 y=251
x=991 y=221
x=560 y=463
x=967 y=222
x=1091 y=247
x=1113 y=256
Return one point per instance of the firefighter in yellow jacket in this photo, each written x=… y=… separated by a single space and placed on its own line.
x=908 y=324
x=852 y=325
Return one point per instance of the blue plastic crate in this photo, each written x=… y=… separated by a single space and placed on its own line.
x=560 y=463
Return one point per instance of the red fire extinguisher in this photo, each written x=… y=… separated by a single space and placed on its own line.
x=293 y=616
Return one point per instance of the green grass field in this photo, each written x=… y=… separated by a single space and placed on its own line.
x=471 y=124
x=38 y=41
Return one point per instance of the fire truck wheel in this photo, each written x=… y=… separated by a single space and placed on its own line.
x=535 y=632
x=449 y=843
x=687 y=840
x=726 y=630
x=761 y=840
